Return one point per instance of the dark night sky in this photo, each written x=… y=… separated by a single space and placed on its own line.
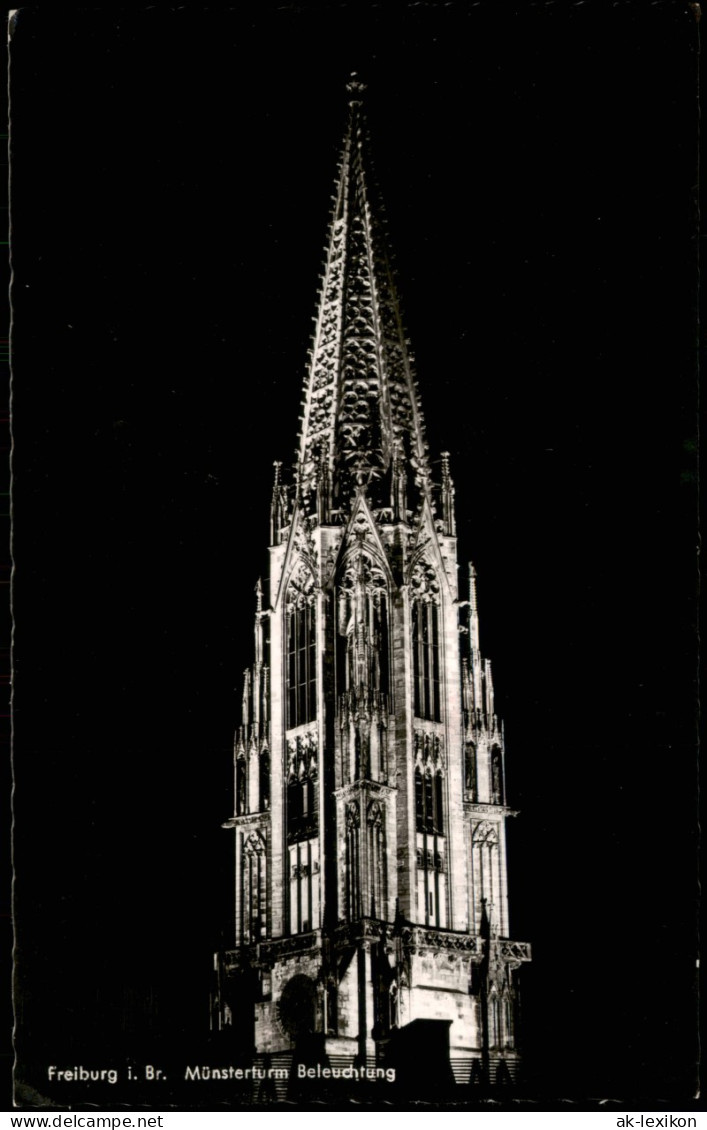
x=537 y=166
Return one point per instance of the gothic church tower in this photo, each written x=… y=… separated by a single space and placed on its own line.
x=370 y=804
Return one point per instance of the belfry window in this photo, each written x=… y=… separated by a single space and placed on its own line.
x=429 y=802
x=302 y=792
x=425 y=649
x=301 y=663
x=302 y=816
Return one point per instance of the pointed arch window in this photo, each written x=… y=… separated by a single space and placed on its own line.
x=254 y=889
x=429 y=802
x=379 y=616
x=496 y=776
x=438 y=798
x=419 y=801
x=264 y=780
x=301 y=660
x=377 y=859
x=470 y=770
x=302 y=793
x=426 y=659
x=485 y=872
x=241 y=786
x=353 y=874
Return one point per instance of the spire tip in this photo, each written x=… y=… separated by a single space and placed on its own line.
x=355 y=89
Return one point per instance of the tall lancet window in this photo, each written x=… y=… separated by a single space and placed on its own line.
x=380 y=636
x=302 y=823
x=376 y=859
x=470 y=770
x=485 y=874
x=429 y=813
x=302 y=793
x=254 y=889
x=301 y=650
x=264 y=779
x=429 y=802
x=496 y=776
x=429 y=784
x=353 y=873
x=432 y=893
x=241 y=785
x=419 y=800
x=426 y=643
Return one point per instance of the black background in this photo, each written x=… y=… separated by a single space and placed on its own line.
x=170 y=195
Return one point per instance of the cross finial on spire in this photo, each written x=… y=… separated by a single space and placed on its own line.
x=355 y=89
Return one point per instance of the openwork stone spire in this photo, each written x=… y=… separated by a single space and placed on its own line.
x=361 y=408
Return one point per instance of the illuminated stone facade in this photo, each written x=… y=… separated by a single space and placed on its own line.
x=370 y=797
